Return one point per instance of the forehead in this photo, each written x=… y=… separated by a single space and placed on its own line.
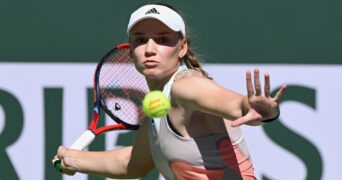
x=150 y=26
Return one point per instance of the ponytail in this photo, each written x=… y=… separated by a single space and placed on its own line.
x=191 y=61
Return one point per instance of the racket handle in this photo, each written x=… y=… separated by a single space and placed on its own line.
x=83 y=141
x=80 y=144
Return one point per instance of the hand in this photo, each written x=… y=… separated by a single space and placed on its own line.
x=61 y=155
x=261 y=105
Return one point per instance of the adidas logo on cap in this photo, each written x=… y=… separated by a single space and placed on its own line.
x=152 y=11
x=164 y=14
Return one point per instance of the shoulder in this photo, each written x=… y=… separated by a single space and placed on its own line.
x=188 y=73
x=189 y=85
x=189 y=79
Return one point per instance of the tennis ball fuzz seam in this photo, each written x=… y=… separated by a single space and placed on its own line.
x=156 y=104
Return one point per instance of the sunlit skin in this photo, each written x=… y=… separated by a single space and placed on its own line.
x=156 y=49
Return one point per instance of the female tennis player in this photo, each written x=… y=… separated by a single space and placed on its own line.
x=200 y=137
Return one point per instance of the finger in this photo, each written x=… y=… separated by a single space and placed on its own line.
x=280 y=93
x=249 y=83
x=54 y=159
x=239 y=121
x=66 y=170
x=60 y=150
x=267 y=87
x=257 y=82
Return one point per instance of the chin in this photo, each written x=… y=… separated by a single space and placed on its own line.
x=154 y=75
x=150 y=73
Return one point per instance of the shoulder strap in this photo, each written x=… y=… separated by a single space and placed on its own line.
x=166 y=91
x=167 y=87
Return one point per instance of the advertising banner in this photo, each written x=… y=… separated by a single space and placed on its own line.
x=44 y=105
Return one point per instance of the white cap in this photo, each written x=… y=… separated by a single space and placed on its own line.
x=162 y=13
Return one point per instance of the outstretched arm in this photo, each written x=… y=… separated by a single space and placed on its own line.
x=127 y=162
x=259 y=106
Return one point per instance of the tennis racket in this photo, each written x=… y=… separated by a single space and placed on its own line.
x=118 y=90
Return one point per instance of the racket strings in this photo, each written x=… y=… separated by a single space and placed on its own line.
x=121 y=85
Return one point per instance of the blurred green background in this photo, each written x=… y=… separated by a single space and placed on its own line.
x=244 y=31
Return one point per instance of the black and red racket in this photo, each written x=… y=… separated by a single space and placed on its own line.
x=119 y=90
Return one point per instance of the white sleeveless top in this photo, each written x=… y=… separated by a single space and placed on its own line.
x=219 y=156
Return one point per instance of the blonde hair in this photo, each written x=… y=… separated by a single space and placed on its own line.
x=192 y=62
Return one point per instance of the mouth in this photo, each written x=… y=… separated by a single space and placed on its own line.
x=151 y=63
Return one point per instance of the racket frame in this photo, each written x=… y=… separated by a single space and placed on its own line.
x=89 y=135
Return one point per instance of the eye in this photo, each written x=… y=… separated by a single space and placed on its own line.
x=140 y=40
x=162 y=40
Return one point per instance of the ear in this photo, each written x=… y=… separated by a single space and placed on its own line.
x=183 y=48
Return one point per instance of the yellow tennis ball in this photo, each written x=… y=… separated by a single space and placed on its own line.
x=156 y=104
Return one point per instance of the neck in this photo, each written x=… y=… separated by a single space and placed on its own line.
x=157 y=84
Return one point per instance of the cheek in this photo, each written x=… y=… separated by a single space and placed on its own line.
x=137 y=64
x=169 y=53
x=136 y=58
x=137 y=67
x=137 y=54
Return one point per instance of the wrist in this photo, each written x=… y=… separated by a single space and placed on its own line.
x=272 y=119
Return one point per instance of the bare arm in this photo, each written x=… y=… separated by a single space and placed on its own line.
x=127 y=162
x=202 y=94
x=199 y=93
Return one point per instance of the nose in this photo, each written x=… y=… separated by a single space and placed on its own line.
x=150 y=47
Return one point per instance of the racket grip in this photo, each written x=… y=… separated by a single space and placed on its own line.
x=83 y=141
x=80 y=144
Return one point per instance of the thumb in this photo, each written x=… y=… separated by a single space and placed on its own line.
x=239 y=121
